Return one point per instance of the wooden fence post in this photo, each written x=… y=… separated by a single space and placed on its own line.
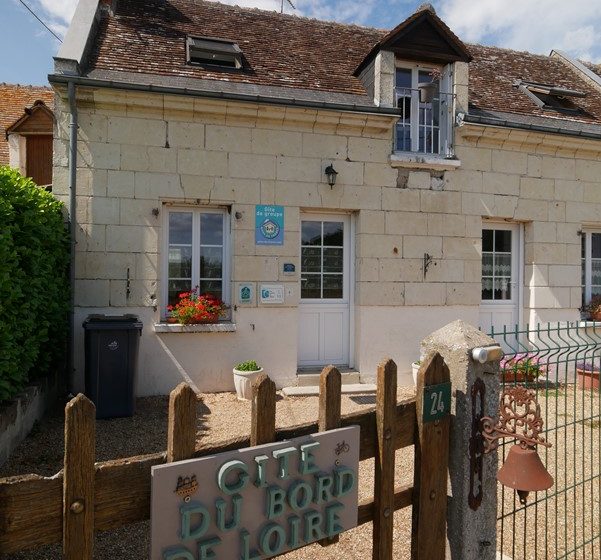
x=431 y=464
x=181 y=430
x=78 y=479
x=263 y=411
x=330 y=389
x=384 y=461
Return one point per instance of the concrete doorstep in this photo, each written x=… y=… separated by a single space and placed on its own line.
x=313 y=390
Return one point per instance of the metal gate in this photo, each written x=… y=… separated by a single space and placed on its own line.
x=561 y=362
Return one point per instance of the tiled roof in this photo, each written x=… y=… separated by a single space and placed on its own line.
x=14 y=99
x=146 y=38
x=493 y=72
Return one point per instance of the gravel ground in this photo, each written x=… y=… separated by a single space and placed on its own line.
x=221 y=416
x=540 y=529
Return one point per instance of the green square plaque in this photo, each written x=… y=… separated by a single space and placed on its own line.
x=437 y=401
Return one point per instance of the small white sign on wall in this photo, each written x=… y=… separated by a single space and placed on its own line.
x=272 y=293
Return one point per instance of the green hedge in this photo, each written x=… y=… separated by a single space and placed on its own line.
x=34 y=283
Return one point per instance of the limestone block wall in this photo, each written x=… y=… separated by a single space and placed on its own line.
x=138 y=153
x=549 y=183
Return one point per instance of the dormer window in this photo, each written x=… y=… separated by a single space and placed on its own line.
x=425 y=107
x=551 y=97
x=208 y=51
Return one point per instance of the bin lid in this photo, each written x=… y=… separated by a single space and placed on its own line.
x=112 y=322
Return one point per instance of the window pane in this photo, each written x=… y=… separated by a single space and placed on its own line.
x=403 y=78
x=212 y=287
x=503 y=240
x=310 y=286
x=180 y=228
x=332 y=286
x=502 y=288
x=211 y=229
x=332 y=233
x=403 y=137
x=176 y=287
x=332 y=260
x=486 y=288
x=180 y=262
x=211 y=262
x=311 y=259
x=502 y=265
x=596 y=272
x=596 y=245
x=424 y=77
x=487 y=264
x=487 y=239
x=311 y=233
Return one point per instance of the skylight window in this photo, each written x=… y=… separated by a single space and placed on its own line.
x=551 y=97
x=214 y=52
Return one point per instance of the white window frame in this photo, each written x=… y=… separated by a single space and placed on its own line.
x=444 y=135
x=226 y=266
x=587 y=235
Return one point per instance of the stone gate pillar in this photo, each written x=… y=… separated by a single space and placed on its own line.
x=472 y=507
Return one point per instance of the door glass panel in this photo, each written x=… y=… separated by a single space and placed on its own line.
x=322 y=260
x=487 y=244
x=311 y=286
x=502 y=288
x=502 y=241
x=311 y=233
x=497 y=265
x=333 y=260
x=332 y=286
x=333 y=234
x=311 y=259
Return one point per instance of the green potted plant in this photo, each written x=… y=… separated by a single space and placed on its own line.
x=194 y=308
x=593 y=308
x=245 y=374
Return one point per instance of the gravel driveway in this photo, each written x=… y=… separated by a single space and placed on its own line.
x=574 y=461
x=221 y=416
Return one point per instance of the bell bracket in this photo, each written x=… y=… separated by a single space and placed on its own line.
x=519 y=418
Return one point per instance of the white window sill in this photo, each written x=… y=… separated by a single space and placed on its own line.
x=202 y=328
x=423 y=161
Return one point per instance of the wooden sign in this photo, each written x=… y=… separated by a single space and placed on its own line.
x=258 y=502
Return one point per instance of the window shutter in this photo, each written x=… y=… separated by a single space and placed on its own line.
x=447 y=105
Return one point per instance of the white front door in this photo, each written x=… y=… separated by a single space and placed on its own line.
x=324 y=331
x=501 y=275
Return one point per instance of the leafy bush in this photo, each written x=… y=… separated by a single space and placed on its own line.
x=34 y=285
x=251 y=365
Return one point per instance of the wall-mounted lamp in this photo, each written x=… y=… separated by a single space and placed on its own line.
x=331 y=175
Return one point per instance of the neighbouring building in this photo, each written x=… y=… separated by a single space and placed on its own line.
x=468 y=184
x=26 y=128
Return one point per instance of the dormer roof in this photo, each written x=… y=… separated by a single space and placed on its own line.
x=36 y=119
x=422 y=36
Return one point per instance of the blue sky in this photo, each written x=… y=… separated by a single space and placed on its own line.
x=26 y=48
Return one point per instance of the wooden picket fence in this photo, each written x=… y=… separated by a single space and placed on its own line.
x=86 y=496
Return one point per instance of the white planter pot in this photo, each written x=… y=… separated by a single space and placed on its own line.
x=427 y=91
x=414 y=369
x=243 y=381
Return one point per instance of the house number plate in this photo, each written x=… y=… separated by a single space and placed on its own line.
x=437 y=401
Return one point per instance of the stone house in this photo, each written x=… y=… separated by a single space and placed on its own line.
x=26 y=129
x=467 y=184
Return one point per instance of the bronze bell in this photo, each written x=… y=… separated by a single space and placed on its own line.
x=524 y=471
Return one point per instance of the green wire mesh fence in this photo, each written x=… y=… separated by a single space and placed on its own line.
x=561 y=363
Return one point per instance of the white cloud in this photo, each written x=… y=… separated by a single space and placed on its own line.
x=529 y=25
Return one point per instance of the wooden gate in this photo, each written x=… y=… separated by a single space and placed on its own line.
x=86 y=496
